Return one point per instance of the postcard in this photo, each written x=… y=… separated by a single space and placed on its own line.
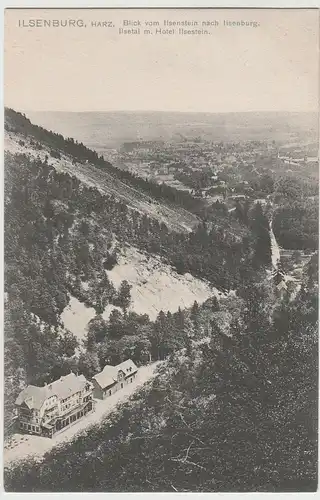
x=161 y=250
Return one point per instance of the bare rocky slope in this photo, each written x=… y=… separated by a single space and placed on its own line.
x=155 y=285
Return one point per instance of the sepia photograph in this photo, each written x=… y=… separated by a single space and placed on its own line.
x=161 y=216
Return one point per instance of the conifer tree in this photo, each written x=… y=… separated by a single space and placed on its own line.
x=261 y=229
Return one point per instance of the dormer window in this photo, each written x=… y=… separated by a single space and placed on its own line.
x=120 y=375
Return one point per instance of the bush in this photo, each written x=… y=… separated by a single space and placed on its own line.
x=110 y=261
x=55 y=154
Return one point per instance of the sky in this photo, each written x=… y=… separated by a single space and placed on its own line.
x=273 y=67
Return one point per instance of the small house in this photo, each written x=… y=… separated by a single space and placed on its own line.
x=113 y=378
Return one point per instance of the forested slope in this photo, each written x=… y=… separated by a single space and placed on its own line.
x=62 y=235
x=158 y=201
x=235 y=407
x=236 y=414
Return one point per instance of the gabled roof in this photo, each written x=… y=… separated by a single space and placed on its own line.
x=32 y=396
x=66 y=386
x=128 y=367
x=107 y=377
x=109 y=374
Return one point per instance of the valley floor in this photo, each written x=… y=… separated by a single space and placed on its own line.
x=22 y=446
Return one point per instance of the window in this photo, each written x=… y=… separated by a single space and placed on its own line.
x=131 y=379
x=21 y=425
x=37 y=429
x=33 y=428
x=110 y=393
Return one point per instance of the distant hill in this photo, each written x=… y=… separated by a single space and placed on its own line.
x=110 y=129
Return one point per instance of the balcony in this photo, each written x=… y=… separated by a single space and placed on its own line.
x=25 y=414
x=87 y=391
x=70 y=406
x=25 y=418
x=51 y=404
x=74 y=409
x=51 y=413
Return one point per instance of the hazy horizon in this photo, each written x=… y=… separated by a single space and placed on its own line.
x=105 y=129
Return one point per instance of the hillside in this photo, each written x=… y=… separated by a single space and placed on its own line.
x=236 y=413
x=157 y=210
x=89 y=256
x=234 y=407
x=176 y=218
x=155 y=287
